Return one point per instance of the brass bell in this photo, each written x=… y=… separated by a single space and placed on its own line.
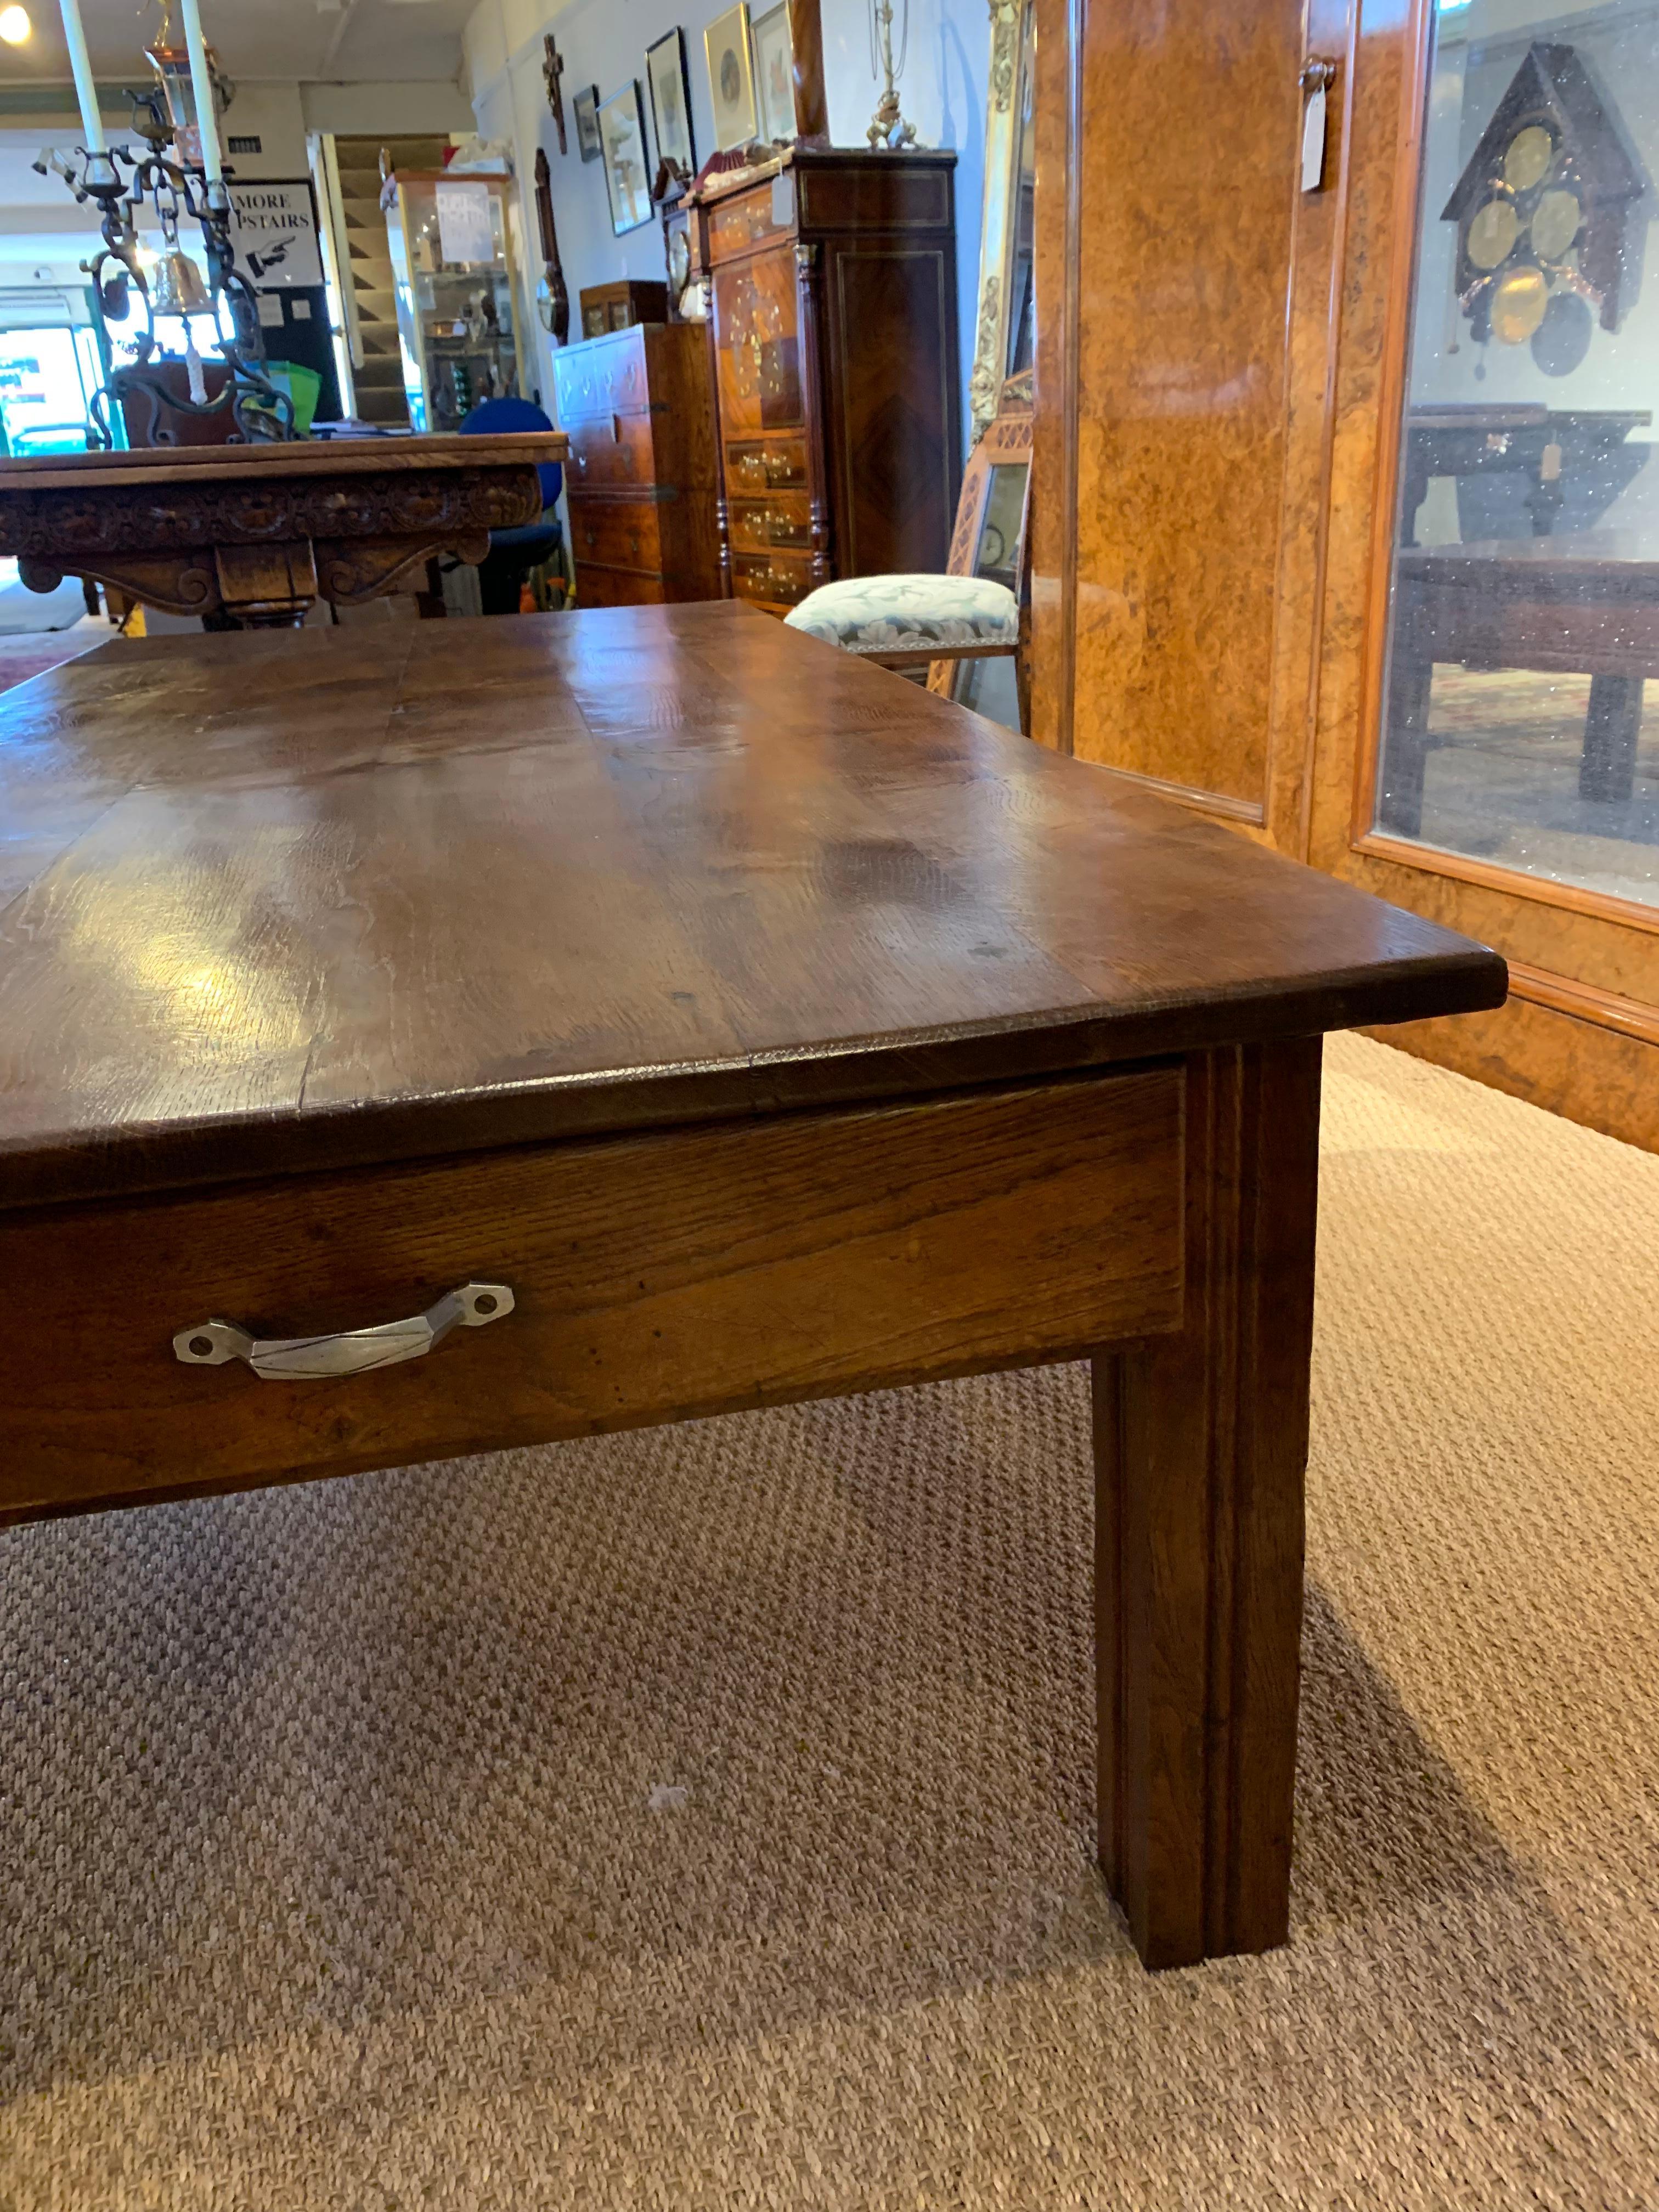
x=176 y=288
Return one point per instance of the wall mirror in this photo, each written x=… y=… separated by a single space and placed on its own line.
x=1006 y=332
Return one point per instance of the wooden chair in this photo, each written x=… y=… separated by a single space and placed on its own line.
x=978 y=610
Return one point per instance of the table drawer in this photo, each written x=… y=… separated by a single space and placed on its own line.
x=654 y=1277
x=616 y=533
x=612 y=451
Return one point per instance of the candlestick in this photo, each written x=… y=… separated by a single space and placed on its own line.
x=81 y=62
x=201 y=85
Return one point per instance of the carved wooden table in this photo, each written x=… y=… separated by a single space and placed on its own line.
x=674 y=1014
x=252 y=536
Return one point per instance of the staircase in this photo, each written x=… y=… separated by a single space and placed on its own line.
x=380 y=379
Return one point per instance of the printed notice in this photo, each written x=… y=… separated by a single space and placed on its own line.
x=275 y=233
x=464 y=232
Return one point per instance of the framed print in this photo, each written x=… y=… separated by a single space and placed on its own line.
x=627 y=173
x=731 y=78
x=671 y=102
x=587 y=122
x=775 y=74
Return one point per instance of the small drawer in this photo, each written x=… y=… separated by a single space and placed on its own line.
x=612 y=451
x=752 y=218
x=617 y=587
x=616 y=533
x=774 y=579
x=783 y=519
x=772 y=465
x=604 y=376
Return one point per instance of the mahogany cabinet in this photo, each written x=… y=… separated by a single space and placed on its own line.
x=1345 y=480
x=833 y=333
x=639 y=484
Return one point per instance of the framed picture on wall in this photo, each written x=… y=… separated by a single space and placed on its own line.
x=627 y=172
x=670 y=100
x=775 y=74
x=731 y=78
x=587 y=122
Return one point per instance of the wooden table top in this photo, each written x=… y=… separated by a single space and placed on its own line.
x=300 y=457
x=284 y=900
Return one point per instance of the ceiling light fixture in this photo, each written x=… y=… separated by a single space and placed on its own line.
x=15 y=27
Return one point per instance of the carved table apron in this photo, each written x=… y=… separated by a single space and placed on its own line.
x=251 y=536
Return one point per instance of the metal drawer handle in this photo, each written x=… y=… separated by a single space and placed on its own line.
x=351 y=1351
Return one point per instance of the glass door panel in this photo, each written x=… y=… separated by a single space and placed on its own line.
x=1524 y=618
x=44 y=392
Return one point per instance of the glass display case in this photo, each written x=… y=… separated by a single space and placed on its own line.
x=452 y=264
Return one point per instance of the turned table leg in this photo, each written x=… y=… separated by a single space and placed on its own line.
x=1201 y=1442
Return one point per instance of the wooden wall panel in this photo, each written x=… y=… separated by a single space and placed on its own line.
x=1185 y=390
x=1176 y=264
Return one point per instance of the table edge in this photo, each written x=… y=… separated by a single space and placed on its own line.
x=301 y=457
x=149 y=1159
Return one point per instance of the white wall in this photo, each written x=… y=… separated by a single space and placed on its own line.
x=603 y=42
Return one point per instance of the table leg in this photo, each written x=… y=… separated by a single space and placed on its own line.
x=1201 y=1444
x=1607 y=770
x=1406 y=728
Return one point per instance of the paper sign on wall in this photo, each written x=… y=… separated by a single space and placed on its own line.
x=274 y=229
x=464 y=231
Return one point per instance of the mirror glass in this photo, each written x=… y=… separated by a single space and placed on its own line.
x=1021 y=349
x=1523 y=619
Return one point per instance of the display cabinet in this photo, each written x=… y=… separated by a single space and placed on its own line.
x=455 y=286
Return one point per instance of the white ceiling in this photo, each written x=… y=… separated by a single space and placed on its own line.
x=347 y=40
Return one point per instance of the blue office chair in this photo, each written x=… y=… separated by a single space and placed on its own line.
x=513 y=553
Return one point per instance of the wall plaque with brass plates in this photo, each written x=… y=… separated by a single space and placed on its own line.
x=1542 y=205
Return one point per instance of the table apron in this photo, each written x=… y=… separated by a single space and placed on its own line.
x=657 y=1277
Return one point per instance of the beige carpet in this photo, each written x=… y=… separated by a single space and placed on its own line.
x=702 y=1819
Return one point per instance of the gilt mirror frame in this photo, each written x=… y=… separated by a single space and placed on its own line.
x=1011 y=24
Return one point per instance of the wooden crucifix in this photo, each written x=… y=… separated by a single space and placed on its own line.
x=552 y=70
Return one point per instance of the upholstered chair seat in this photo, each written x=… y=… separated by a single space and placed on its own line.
x=910 y=614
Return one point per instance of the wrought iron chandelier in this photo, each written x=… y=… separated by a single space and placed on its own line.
x=181 y=176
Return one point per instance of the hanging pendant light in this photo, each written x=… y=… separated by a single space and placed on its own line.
x=170 y=60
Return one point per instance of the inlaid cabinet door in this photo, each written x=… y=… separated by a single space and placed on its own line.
x=1184 y=344
x=757 y=343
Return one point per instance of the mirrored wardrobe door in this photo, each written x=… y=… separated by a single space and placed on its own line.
x=1491 y=618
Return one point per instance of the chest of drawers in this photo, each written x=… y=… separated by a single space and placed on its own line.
x=640 y=482
x=832 y=328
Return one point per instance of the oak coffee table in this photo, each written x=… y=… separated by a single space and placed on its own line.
x=466 y=1035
